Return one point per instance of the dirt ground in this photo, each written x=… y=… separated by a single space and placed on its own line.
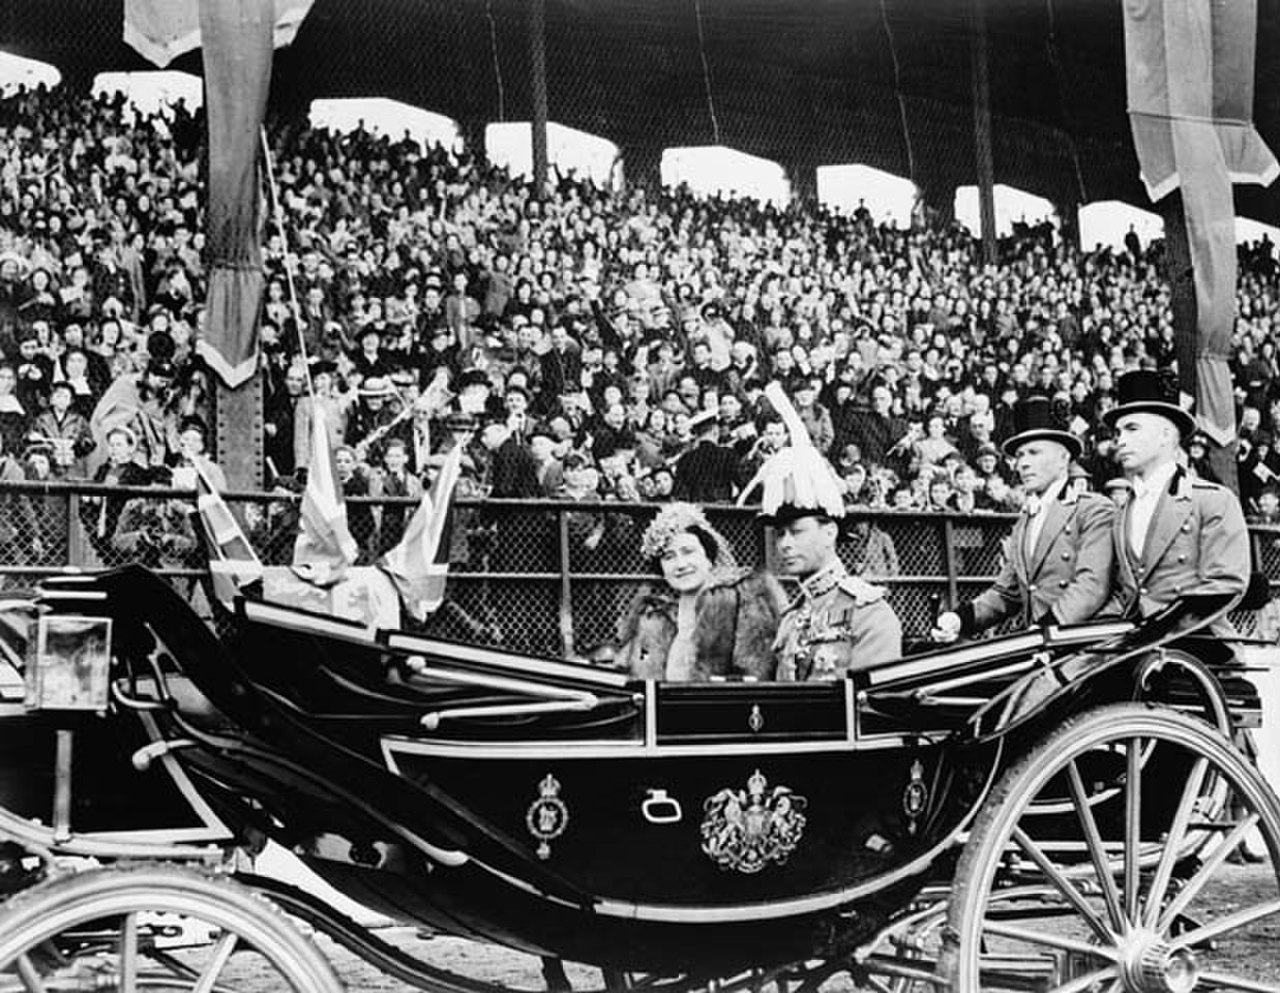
x=1256 y=956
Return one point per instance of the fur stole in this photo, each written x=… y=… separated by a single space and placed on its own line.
x=737 y=620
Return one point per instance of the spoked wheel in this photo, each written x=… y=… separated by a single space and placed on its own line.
x=153 y=928
x=1126 y=910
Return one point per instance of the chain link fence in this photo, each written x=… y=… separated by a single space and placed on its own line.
x=548 y=577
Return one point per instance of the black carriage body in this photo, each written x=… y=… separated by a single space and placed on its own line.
x=614 y=821
x=570 y=811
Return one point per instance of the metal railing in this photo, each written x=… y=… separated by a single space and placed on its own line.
x=547 y=576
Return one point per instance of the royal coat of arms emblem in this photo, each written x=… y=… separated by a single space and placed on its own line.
x=746 y=830
x=547 y=816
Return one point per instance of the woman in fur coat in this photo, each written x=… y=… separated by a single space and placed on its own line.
x=710 y=618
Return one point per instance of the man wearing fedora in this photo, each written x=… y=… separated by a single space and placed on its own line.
x=1057 y=563
x=837 y=623
x=1178 y=535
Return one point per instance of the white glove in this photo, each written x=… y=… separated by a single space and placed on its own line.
x=947 y=628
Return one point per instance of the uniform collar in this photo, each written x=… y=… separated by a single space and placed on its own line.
x=823 y=580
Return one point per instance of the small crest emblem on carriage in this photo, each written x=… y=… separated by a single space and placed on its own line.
x=547 y=816
x=915 y=796
x=746 y=830
x=756 y=720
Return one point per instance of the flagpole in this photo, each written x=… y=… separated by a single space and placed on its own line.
x=278 y=215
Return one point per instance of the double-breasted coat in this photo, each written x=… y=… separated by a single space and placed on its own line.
x=1065 y=579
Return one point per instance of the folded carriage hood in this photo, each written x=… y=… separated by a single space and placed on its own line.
x=277 y=745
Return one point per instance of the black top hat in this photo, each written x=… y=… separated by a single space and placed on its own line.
x=1149 y=391
x=1033 y=420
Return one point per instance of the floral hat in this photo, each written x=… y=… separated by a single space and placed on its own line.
x=677 y=518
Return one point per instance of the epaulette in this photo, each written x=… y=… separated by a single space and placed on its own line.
x=861 y=591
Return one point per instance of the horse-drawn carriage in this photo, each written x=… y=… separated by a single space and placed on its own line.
x=1054 y=810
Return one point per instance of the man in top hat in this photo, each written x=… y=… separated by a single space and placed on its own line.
x=1057 y=563
x=837 y=623
x=1178 y=535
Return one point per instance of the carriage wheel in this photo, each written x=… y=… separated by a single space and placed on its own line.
x=1124 y=910
x=153 y=928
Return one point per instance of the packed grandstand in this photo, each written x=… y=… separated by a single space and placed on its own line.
x=592 y=344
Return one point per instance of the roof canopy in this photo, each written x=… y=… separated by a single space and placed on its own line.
x=802 y=82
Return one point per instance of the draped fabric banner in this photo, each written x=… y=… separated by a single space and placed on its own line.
x=237 y=38
x=237 y=75
x=1190 y=69
x=161 y=30
x=1190 y=90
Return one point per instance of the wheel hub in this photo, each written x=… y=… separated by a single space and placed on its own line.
x=1151 y=965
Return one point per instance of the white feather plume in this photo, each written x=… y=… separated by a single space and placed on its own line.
x=798 y=475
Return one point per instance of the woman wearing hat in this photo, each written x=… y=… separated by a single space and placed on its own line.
x=1057 y=563
x=1179 y=535
x=709 y=618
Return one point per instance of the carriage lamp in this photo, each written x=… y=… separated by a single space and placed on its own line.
x=68 y=663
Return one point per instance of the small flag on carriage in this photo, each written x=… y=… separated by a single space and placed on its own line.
x=419 y=565
x=324 y=548
x=232 y=562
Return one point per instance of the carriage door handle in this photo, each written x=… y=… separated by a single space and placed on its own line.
x=658 y=808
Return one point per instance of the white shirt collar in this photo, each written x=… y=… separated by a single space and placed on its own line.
x=1155 y=481
x=1038 y=503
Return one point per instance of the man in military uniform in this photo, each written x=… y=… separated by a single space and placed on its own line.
x=837 y=623
x=1057 y=563
x=1178 y=535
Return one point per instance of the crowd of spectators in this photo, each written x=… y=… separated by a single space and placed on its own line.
x=587 y=344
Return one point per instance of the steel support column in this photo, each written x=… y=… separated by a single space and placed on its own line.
x=981 y=92
x=538 y=71
x=239 y=421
